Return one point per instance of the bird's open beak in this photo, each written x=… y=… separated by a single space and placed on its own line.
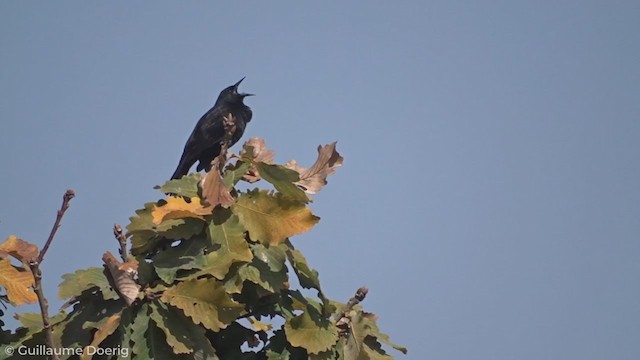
x=236 y=87
x=238 y=83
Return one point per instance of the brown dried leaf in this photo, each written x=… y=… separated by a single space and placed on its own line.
x=122 y=276
x=177 y=207
x=252 y=175
x=260 y=154
x=214 y=191
x=24 y=251
x=260 y=151
x=315 y=177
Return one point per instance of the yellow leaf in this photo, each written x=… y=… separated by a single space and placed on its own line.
x=107 y=328
x=19 y=284
x=271 y=219
x=19 y=249
x=259 y=325
x=178 y=207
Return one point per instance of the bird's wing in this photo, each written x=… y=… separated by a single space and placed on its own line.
x=208 y=132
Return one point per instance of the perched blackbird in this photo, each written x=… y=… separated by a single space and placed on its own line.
x=204 y=143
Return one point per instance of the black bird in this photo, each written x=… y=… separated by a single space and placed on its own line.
x=204 y=143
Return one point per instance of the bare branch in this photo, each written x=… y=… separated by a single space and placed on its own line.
x=34 y=265
x=70 y=194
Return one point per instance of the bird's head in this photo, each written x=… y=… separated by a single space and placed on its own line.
x=231 y=94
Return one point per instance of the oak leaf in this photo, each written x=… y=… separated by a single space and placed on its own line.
x=178 y=207
x=105 y=329
x=185 y=186
x=19 y=284
x=74 y=284
x=314 y=335
x=272 y=218
x=214 y=191
x=205 y=302
x=315 y=177
x=255 y=151
x=228 y=236
x=24 y=251
x=284 y=180
x=364 y=339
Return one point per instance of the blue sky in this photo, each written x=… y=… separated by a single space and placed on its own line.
x=489 y=196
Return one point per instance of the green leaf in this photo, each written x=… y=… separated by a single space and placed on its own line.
x=368 y=325
x=75 y=283
x=272 y=218
x=325 y=355
x=186 y=186
x=181 y=229
x=230 y=342
x=181 y=333
x=146 y=272
x=364 y=337
x=122 y=338
x=229 y=245
x=205 y=301
x=273 y=256
x=277 y=347
x=314 y=335
x=258 y=273
x=300 y=302
x=187 y=255
x=33 y=321
x=149 y=342
x=32 y=333
x=373 y=350
x=234 y=173
x=307 y=276
x=283 y=180
x=143 y=220
x=86 y=312
x=139 y=329
x=147 y=236
x=143 y=231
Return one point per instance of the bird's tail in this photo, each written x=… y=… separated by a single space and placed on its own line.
x=181 y=170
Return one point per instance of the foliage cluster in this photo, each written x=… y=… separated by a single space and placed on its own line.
x=210 y=273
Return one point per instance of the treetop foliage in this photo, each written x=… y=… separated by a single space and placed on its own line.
x=210 y=273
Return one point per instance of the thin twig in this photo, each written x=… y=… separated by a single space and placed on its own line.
x=122 y=240
x=65 y=205
x=44 y=306
x=34 y=265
